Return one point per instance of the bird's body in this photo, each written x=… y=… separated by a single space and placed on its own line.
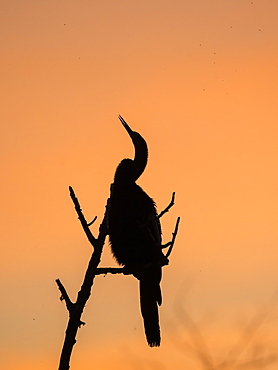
x=135 y=234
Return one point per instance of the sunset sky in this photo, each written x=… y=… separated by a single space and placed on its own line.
x=199 y=81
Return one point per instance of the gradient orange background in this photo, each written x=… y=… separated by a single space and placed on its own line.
x=198 y=79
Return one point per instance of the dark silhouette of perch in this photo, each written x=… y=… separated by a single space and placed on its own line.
x=75 y=309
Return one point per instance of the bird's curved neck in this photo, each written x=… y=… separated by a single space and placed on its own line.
x=140 y=157
x=129 y=170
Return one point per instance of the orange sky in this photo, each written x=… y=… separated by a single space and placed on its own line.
x=198 y=79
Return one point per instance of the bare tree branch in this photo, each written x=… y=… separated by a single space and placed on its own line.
x=82 y=219
x=173 y=238
x=76 y=309
x=91 y=223
x=110 y=270
x=126 y=271
x=64 y=294
x=172 y=202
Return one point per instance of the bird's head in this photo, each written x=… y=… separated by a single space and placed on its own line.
x=130 y=170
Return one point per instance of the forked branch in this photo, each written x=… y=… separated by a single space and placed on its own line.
x=75 y=309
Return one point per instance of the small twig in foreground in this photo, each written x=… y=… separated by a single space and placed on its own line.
x=173 y=238
x=172 y=202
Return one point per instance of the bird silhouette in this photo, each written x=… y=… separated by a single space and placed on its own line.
x=135 y=233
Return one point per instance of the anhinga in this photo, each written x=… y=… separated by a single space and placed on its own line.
x=135 y=233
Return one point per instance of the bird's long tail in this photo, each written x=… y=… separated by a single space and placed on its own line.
x=150 y=298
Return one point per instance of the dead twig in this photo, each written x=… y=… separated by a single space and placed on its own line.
x=173 y=238
x=172 y=202
x=76 y=309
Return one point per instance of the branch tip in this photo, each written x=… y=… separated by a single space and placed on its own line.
x=81 y=323
x=91 y=223
x=172 y=202
x=173 y=238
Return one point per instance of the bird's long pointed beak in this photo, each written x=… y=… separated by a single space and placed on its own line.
x=128 y=129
